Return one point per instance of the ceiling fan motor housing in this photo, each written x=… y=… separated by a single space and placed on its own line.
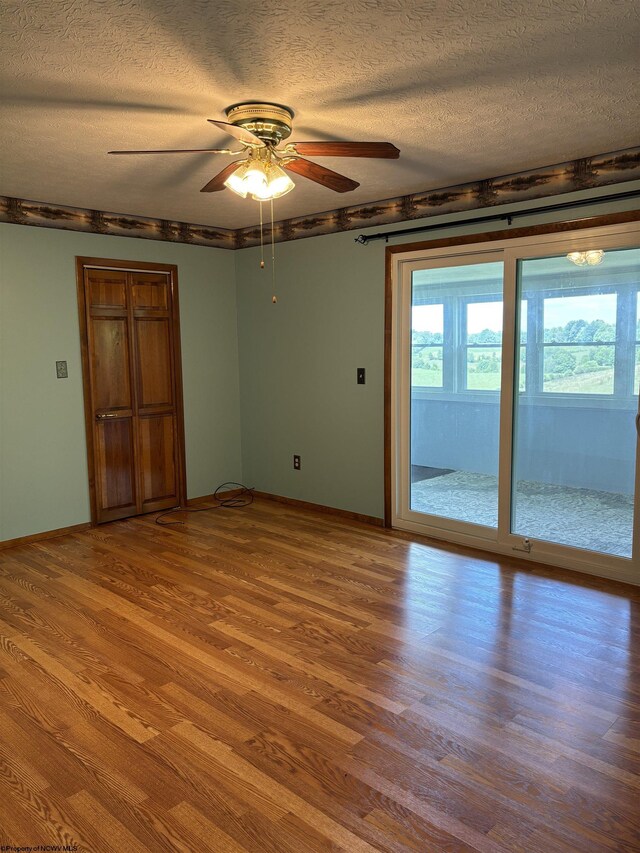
x=270 y=122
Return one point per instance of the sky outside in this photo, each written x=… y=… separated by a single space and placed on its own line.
x=558 y=312
x=480 y=316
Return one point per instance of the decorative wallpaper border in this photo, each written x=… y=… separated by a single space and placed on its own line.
x=586 y=173
x=23 y=212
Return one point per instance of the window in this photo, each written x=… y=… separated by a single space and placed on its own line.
x=427 y=332
x=483 y=336
x=577 y=338
x=579 y=343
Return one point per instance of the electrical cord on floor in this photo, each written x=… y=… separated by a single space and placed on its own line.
x=242 y=496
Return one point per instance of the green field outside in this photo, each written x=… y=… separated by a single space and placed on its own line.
x=595 y=382
x=567 y=370
x=430 y=377
x=598 y=382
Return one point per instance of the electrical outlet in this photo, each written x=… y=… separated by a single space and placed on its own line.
x=296 y=462
x=61 y=370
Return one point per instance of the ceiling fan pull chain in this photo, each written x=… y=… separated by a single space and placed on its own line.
x=274 y=298
x=261 y=241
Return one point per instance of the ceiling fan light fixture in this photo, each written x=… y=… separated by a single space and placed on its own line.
x=278 y=184
x=255 y=180
x=260 y=128
x=235 y=181
x=261 y=179
x=591 y=257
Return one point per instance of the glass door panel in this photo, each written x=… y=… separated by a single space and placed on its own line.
x=455 y=359
x=574 y=451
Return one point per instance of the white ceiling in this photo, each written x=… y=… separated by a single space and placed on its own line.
x=467 y=89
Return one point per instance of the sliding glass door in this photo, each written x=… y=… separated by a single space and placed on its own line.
x=455 y=353
x=575 y=436
x=516 y=373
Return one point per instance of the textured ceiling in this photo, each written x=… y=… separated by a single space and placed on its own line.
x=467 y=89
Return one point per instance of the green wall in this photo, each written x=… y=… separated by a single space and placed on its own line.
x=298 y=359
x=43 y=464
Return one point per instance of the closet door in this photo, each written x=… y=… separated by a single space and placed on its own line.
x=155 y=393
x=133 y=400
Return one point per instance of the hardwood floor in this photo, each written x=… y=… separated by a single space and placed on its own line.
x=272 y=679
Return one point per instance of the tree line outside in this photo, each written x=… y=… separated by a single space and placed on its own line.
x=579 y=358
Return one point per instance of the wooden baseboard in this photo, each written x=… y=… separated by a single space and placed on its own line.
x=204 y=499
x=46 y=534
x=331 y=510
x=208 y=498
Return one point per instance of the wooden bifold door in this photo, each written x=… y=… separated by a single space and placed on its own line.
x=132 y=386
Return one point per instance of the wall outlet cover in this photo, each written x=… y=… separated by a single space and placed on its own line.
x=61 y=370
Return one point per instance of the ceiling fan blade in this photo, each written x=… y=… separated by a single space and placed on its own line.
x=217 y=183
x=177 y=151
x=348 y=149
x=322 y=175
x=239 y=132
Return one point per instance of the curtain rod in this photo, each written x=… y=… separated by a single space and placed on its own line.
x=363 y=239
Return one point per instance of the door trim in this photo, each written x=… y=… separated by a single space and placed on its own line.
x=83 y=263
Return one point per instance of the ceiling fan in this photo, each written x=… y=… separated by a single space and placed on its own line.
x=260 y=128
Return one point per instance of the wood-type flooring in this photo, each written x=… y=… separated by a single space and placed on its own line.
x=273 y=679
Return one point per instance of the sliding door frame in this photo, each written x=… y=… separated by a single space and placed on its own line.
x=536 y=241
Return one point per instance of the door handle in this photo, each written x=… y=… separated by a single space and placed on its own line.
x=107 y=415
